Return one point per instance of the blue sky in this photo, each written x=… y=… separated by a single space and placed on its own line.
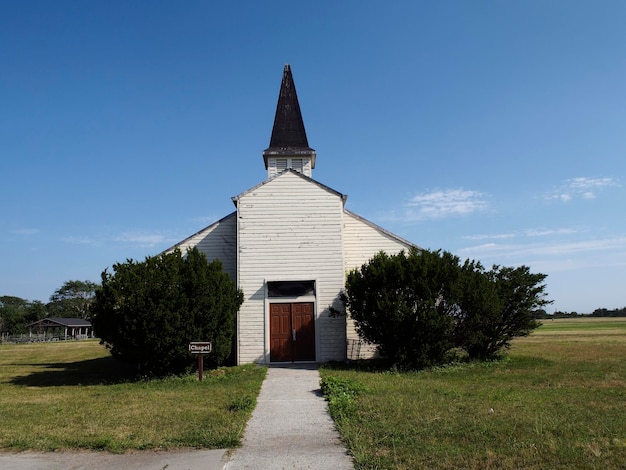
x=492 y=129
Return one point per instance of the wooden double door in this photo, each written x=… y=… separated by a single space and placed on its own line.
x=292 y=332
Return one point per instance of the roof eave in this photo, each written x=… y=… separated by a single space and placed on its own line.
x=288 y=152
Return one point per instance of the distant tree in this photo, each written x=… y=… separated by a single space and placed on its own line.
x=496 y=306
x=401 y=303
x=148 y=312
x=72 y=300
x=599 y=312
x=559 y=314
x=35 y=311
x=13 y=312
x=603 y=312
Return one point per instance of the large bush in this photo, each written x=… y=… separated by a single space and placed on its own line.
x=148 y=312
x=417 y=306
x=497 y=306
x=400 y=303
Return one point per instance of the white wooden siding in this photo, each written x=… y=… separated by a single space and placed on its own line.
x=292 y=228
x=362 y=240
x=289 y=228
x=217 y=241
x=276 y=165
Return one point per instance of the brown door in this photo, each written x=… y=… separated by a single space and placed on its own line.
x=292 y=332
x=280 y=333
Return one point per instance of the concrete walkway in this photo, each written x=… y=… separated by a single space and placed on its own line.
x=290 y=427
x=144 y=460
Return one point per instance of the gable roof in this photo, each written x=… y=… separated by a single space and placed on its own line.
x=65 y=322
x=208 y=227
x=344 y=197
x=382 y=230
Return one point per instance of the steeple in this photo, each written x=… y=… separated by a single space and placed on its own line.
x=289 y=147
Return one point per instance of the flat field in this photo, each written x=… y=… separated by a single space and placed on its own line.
x=558 y=401
x=73 y=395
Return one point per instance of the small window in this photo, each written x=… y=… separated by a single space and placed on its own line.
x=296 y=164
x=290 y=288
x=281 y=164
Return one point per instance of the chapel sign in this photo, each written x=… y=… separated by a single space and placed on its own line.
x=200 y=348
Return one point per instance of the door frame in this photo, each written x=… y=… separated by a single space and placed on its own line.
x=290 y=300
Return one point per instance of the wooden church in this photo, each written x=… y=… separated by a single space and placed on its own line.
x=289 y=244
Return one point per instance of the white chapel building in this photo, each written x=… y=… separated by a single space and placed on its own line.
x=289 y=244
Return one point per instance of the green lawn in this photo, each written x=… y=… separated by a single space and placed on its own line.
x=74 y=395
x=605 y=325
x=557 y=401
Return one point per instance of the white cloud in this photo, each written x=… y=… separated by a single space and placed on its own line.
x=25 y=231
x=582 y=188
x=445 y=203
x=144 y=240
x=496 y=236
x=557 y=253
x=138 y=239
x=583 y=183
x=80 y=240
x=523 y=233
x=549 y=232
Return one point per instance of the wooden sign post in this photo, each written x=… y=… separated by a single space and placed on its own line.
x=200 y=348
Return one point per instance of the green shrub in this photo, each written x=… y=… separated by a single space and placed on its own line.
x=401 y=303
x=416 y=307
x=147 y=313
x=495 y=307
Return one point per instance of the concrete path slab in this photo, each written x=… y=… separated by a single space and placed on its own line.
x=290 y=427
x=145 y=460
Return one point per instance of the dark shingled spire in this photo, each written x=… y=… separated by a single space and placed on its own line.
x=288 y=131
x=288 y=134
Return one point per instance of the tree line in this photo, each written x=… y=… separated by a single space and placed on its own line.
x=72 y=300
x=599 y=312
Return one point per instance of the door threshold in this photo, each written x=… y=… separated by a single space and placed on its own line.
x=295 y=365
